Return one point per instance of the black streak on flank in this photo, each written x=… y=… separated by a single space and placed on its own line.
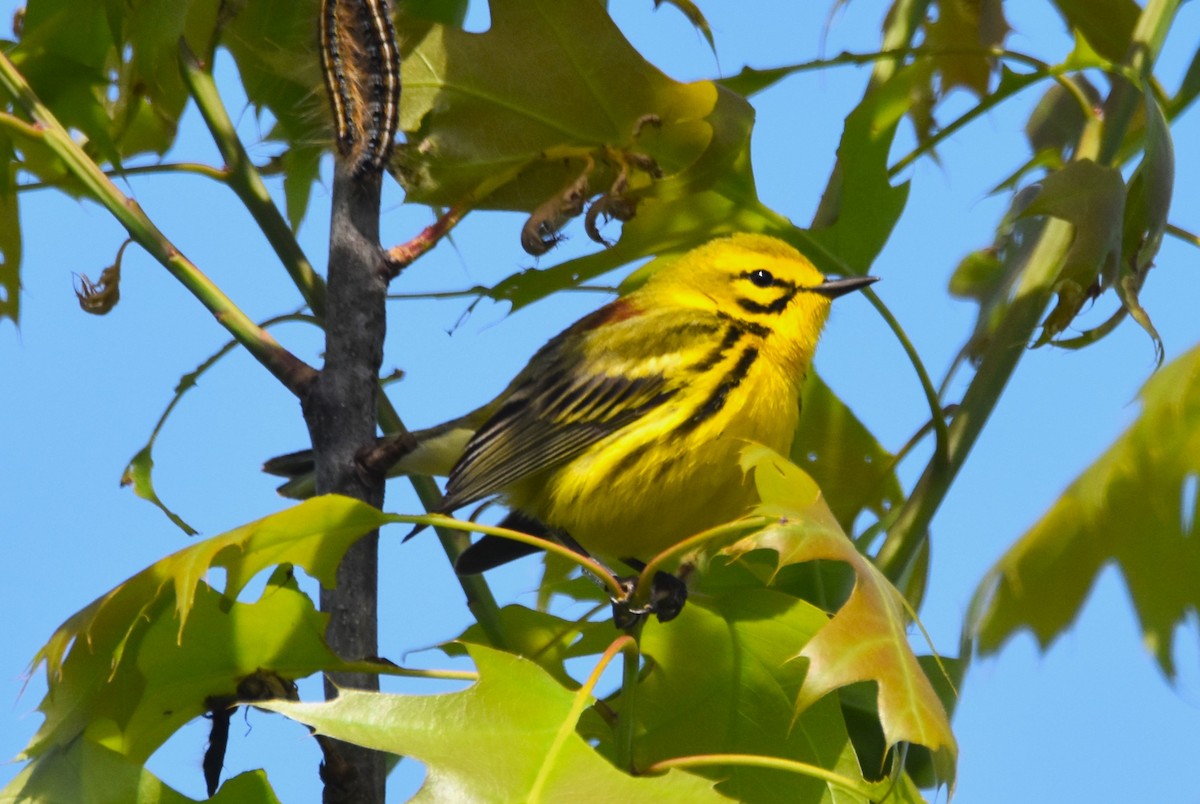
x=720 y=394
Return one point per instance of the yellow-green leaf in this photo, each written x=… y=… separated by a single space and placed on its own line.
x=165 y=631
x=866 y=640
x=1135 y=507
x=84 y=771
x=509 y=737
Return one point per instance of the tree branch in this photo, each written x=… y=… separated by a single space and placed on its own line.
x=287 y=368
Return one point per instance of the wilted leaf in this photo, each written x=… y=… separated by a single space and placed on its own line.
x=106 y=665
x=509 y=737
x=84 y=771
x=139 y=472
x=1136 y=507
x=1146 y=208
x=1091 y=197
x=854 y=472
x=695 y=16
x=866 y=640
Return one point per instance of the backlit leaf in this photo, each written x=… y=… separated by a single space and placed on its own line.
x=963 y=25
x=866 y=640
x=1135 y=507
x=86 y=772
x=107 y=663
x=509 y=737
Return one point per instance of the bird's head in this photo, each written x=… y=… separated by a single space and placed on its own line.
x=757 y=279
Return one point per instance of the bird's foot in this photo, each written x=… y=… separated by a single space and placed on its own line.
x=667 y=596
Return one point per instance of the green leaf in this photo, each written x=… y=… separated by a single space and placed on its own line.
x=139 y=474
x=1057 y=122
x=866 y=640
x=301 y=168
x=165 y=632
x=1135 y=507
x=549 y=86
x=131 y=689
x=509 y=737
x=273 y=44
x=861 y=207
x=721 y=679
x=854 y=471
x=964 y=25
x=1106 y=24
x=84 y=771
x=1146 y=209
x=542 y=638
x=1091 y=197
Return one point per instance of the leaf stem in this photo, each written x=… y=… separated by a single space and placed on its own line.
x=631 y=652
x=1100 y=141
x=937 y=418
x=775 y=763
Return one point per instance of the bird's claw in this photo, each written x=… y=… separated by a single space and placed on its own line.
x=667 y=596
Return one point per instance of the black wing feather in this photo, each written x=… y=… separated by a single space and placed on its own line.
x=540 y=427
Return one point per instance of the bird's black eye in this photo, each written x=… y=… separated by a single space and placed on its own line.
x=761 y=278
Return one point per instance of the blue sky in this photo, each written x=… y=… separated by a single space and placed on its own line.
x=1091 y=719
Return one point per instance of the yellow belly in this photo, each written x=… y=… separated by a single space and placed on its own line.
x=643 y=489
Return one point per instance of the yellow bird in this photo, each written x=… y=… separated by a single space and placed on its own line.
x=622 y=434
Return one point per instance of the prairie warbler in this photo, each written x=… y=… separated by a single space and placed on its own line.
x=624 y=431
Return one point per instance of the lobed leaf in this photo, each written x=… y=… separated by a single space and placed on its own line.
x=866 y=640
x=83 y=771
x=140 y=661
x=1135 y=507
x=509 y=737
x=960 y=26
x=722 y=679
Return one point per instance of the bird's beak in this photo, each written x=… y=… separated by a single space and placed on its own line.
x=840 y=287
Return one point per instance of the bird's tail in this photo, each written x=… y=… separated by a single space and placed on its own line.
x=438 y=449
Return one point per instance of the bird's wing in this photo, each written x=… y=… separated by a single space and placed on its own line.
x=569 y=397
